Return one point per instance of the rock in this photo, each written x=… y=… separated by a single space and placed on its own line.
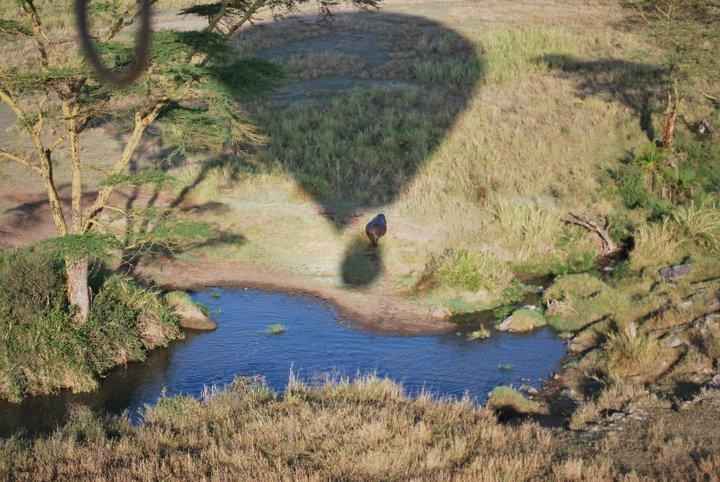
x=440 y=313
x=675 y=272
x=522 y=320
x=588 y=337
x=191 y=316
x=673 y=341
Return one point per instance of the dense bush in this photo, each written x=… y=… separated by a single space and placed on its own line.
x=43 y=349
x=30 y=282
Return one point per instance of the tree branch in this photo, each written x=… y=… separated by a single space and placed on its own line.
x=608 y=246
x=20 y=160
x=122 y=21
x=141 y=124
x=39 y=35
x=44 y=157
x=70 y=111
x=257 y=5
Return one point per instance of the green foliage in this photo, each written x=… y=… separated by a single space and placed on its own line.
x=195 y=129
x=172 y=49
x=700 y=224
x=13 y=27
x=143 y=177
x=244 y=78
x=78 y=246
x=523 y=320
x=574 y=301
x=472 y=271
x=514 y=293
x=111 y=331
x=504 y=397
x=42 y=347
x=632 y=187
x=31 y=281
x=452 y=72
x=503 y=311
x=580 y=262
x=362 y=147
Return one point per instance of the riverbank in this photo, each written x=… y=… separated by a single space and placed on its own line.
x=44 y=349
x=382 y=313
x=361 y=431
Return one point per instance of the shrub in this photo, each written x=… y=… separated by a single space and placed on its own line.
x=507 y=398
x=632 y=355
x=43 y=349
x=655 y=245
x=472 y=271
x=31 y=281
x=700 y=224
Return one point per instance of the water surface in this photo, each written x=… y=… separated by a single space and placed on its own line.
x=316 y=342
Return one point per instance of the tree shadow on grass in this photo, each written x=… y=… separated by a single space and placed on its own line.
x=638 y=86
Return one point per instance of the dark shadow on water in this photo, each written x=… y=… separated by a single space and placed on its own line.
x=43 y=414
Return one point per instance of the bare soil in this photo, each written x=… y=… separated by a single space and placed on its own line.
x=368 y=310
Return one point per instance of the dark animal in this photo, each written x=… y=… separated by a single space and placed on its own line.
x=376 y=229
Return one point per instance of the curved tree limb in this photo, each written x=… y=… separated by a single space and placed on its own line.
x=607 y=245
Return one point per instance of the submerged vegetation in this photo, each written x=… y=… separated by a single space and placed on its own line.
x=276 y=329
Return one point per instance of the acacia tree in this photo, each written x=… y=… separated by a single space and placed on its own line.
x=56 y=97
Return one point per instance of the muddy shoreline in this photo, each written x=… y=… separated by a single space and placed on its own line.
x=388 y=314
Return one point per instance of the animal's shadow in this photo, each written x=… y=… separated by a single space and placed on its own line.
x=367 y=99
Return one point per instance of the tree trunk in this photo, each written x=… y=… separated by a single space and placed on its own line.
x=78 y=293
x=671 y=113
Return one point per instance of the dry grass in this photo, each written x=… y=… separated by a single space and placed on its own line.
x=614 y=397
x=700 y=224
x=656 y=245
x=357 y=431
x=634 y=356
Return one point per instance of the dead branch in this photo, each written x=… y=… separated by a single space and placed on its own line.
x=608 y=246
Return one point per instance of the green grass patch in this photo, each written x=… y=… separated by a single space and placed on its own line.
x=481 y=333
x=504 y=398
x=276 y=329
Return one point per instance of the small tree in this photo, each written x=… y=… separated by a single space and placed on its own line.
x=55 y=97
